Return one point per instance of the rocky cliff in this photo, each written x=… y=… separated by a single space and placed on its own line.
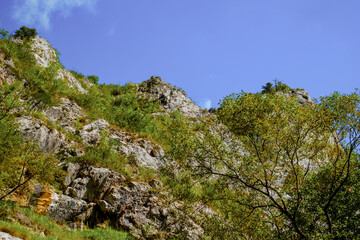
x=92 y=194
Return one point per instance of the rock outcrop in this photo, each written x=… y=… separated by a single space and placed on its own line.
x=302 y=95
x=6 y=236
x=96 y=195
x=49 y=140
x=170 y=98
x=43 y=52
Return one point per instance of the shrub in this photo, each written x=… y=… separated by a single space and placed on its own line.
x=25 y=33
x=94 y=79
x=4 y=33
x=268 y=88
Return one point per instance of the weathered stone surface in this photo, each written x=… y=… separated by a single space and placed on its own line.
x=302 y=96
x=67 y=114
x=66 y=209
x=146 y=153
x=45 y=55
x=66 y=76
x=49 y=140
x=6 y=76
x=171 y=98
x=6 y=236
x=43 y=52
x=41 y=198
x=95 y=195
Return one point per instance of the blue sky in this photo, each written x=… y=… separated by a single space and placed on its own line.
x=210 y=48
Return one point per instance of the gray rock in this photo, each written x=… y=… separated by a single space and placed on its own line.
x=49 y=140
x=66 y=209
x=45 y=55
x=67 y=114
x=91 y=132
x=72 y=82
x=171 y=98
x=101 y=194
x=302 y=96
x=147 y=154
x=6 y=236
x=43 y=52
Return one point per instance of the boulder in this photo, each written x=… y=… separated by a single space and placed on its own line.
x=95 y=195
x=49 y=140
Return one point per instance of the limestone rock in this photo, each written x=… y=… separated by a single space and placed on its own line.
x=171 y=98
x=66 y=76
x=43 y=52
x=95 y=195
x=45 y=55
x=49 y=140
x=302 y=96
x=147 y=154
x=64 y=208
x=6 y=76
x=67 y=114
x=6 y=236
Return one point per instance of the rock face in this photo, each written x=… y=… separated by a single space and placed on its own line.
x=49 y=140
x=302 y=95
x=6 y=236
x=43 y=52
x=71 y=80
x=171 y=98
x=6 y=76
x=146 y=152
x=66 y=114
x=45 y=55
x=95 y=195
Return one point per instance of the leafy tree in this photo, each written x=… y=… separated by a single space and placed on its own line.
x=4 y=33
x=268 y=88
x=278 y=86
x=94 y=79
x=266 y=168
x=25 y=33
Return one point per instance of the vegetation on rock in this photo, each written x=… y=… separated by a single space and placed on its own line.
x=263 y=167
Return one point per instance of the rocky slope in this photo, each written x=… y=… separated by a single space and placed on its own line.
x=94 y=195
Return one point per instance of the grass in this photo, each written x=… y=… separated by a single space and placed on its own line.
x=41 y=227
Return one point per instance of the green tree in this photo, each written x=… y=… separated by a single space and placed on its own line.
x=267 y=166
x=4 y=33
x=25 y=33
x=94 y=79
x=268 y=88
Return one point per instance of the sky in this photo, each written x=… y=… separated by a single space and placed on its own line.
x=209 y=48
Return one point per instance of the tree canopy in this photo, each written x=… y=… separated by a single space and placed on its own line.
x=283 y=171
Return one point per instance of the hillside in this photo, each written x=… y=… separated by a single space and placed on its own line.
x=144 y=159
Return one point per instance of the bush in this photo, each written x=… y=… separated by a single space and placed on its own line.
x=25 y=33
x=94 y=79
x=4 y=33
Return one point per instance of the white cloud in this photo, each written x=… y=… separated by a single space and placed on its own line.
x=32 y=12
x=206 y=104
x=112 y=30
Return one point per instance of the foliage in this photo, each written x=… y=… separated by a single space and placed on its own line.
x=25 y=33
x=268 y=88
x=283 y=171
x=41 y=85
x=277 y=87
x=4 y=33
x=22 y=161
x=103 y=155
x=121 y=106
x=94 y=79
x=54 y=231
